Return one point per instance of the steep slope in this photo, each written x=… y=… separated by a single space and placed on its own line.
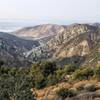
x=12 y=49
x=73 y=45
x=39 y=31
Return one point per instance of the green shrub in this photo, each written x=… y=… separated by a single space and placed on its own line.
x=14 y=84
x=43 y=74
x=83 y=73
x=69 y=69
x=60 y=73
x=90 y=87
x=52 y=79
x=97 y=73
x=64 y=93
x=48 y=67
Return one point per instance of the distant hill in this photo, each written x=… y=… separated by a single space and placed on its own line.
x=39 y=31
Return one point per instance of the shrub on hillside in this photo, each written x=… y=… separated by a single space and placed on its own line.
x=43 y=73
x=69 y=69
x=83 y=73
x=15 y=84
x=52 y=79
x=64 y=93
x=90 y=87
x=97 y=73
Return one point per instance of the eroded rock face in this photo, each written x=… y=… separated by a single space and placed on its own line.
x=81 y=49
x=70 y=32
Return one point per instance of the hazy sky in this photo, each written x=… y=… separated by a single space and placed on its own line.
x=69 y=10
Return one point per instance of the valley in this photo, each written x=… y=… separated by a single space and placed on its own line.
x=51 y=62
x=72 y=43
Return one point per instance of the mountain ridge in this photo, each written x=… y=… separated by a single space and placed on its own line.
x=72 y=43
x=76 y=37
x=39 y=31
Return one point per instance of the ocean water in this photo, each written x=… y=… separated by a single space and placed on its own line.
x=13 y=25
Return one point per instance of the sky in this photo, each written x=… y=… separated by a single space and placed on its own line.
x=51 y=10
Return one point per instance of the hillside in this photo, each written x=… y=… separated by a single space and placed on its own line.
x=39 y=31
x=12 y=49
x=50 y=93
x=63 y=65
x=73 y=45
x=76 y=43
